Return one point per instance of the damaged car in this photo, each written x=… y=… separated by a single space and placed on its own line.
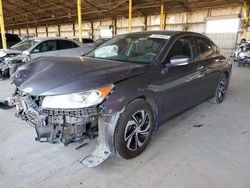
x=121 y=92
x=242 y=53
x=21 y=53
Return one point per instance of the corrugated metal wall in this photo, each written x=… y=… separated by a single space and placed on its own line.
x=226 y=42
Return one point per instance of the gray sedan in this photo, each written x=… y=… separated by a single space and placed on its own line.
x=28 y=49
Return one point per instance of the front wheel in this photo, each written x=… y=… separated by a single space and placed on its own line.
x=134 y=129
x=221 y=90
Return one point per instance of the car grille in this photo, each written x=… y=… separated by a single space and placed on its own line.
x=72 y=112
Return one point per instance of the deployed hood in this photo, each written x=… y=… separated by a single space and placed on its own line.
x=57 y=75
x=4 y=52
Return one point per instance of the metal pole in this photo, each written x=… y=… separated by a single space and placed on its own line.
x=246 y=19
x=146 y=23
x=4 y=44
x=130 y=16
x=79 y=8
x=47 y=31
x=162 y=17
x=59 y=30
x=92 y=30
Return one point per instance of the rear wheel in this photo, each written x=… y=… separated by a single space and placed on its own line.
x=134 y=129
x=221 y=90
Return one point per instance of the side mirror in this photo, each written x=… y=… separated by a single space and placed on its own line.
x=179 y=60
x=36 y=50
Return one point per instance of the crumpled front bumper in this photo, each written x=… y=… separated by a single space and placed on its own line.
x=48 y=125
x=4 y=67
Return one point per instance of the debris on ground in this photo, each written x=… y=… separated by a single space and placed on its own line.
x=5 y=105
x=198 y=125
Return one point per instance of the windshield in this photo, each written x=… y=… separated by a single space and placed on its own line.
x=137 y=48
x=25 y=45
x=99 y=42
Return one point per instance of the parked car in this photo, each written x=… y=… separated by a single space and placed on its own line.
x=17 y=55
x=125 y=89
x=242 y=53
x=11 y=39
x=85 y=40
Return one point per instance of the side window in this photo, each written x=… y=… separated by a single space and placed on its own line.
x=205 y=47
x=183 y=47
x=65 y=44
x=215 y=48
x=46 y=46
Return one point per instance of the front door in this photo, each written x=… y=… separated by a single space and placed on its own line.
x=183 y=83
x=46 y=48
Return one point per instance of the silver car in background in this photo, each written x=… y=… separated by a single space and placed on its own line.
x=11 y=59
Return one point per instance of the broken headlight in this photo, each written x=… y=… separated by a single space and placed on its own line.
x=77 y=100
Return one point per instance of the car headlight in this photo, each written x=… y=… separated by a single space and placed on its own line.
x=77 y=100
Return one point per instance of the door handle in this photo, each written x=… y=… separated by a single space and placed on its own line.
x=200 y=68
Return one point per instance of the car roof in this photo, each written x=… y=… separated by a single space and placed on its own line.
x=170 y=32
x=50 y=38
x=42 y=39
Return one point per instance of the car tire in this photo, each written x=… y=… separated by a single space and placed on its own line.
x=221 y=90
x=13 y=69
x=1 y=76
x=133 y=132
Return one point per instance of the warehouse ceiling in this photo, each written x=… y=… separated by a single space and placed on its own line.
x=31 y=13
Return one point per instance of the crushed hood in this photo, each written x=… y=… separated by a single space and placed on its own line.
x=4 y=52
x=64 y=75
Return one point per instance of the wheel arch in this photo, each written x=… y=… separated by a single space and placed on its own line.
x=226 y=73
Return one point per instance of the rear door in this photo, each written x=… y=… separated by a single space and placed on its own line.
x=68 y=48
x=183 y=83
x=210 y=59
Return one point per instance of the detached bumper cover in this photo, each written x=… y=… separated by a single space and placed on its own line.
x=68 y=126
x=105 y=138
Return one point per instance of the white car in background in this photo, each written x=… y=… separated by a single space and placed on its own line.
x=11 y=59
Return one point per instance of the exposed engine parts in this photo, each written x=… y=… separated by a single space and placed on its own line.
x=56 y=125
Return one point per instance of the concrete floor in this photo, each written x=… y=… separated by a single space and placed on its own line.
x=216 y=155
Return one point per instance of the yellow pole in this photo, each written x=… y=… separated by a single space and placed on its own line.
x=246 y=20
x=79 y=10
x=162 y=17
x=2 y=25
x=130 y=16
